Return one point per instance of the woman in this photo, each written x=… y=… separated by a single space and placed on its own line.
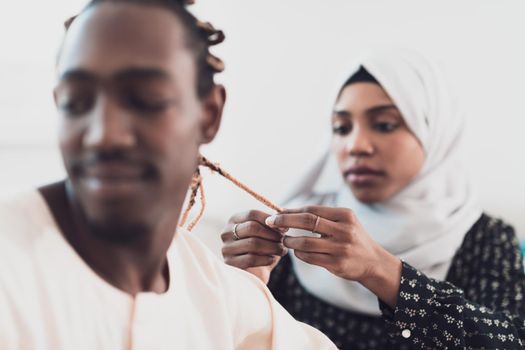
x=401 y=256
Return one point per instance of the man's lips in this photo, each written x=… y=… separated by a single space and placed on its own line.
x=113 y=179
x=114 y=171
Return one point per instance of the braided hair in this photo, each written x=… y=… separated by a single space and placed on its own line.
x=200 y=36
x=196 y=186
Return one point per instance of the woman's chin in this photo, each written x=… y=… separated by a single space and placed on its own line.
x=369 y=195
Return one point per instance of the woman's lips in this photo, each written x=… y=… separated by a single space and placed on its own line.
x=363 y=176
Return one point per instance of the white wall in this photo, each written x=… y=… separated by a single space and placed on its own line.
x=284 y=59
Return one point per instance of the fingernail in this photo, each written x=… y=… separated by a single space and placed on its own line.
x=270 y=220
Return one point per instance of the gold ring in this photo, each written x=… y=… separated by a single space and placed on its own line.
x=235 y=235
x=316 y=223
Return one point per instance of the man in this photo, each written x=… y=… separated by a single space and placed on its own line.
x=96 y=261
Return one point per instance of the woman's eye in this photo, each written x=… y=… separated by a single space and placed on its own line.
x=341 y=129
x=386 y=127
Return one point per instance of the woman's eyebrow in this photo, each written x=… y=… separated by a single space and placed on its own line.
x=381 y=108
x=341 y=113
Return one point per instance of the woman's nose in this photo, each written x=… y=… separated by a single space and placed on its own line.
x=359 y=143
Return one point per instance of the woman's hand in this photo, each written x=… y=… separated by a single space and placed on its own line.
x=344 y=248
x=258 y=247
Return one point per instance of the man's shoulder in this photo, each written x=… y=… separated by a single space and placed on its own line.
x=21 y=216
x=21 y=224
x=197 y=251
x=213 y=267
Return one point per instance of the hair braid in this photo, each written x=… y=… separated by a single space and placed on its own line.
x=215 y=167
x=196 y=183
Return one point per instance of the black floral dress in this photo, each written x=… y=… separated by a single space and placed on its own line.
x=479 y=306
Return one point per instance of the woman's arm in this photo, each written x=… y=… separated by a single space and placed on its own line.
x=419 y=310
x=486 y=312
x=434 y=315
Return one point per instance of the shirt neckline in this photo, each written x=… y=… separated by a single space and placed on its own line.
x=51 y=225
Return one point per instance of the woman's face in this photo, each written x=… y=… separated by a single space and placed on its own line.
x=377 y=154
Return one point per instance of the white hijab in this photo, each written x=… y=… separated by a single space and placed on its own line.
x=426 y=222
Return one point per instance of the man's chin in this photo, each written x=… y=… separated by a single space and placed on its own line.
x=118 y=232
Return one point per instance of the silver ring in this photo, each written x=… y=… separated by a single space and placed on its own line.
x=235 y=235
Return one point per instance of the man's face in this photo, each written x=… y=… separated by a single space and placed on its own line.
x=132 y=122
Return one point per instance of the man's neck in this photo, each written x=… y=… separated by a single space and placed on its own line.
x=133 y=267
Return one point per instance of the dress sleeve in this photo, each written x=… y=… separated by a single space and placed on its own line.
x=488 y=314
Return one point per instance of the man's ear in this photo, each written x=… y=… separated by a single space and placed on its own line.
x=213 y=105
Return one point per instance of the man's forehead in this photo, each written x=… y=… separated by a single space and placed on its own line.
x=112 y=36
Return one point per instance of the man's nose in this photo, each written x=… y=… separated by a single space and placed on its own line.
x=109 y=126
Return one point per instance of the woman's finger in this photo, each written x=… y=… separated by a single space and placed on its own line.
x=309 y=244
x=253 y=245
x=304 y=221
x=332 y=214
x=250 y=215
x=250 y=229
x=318 y=259
x=250 y=260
